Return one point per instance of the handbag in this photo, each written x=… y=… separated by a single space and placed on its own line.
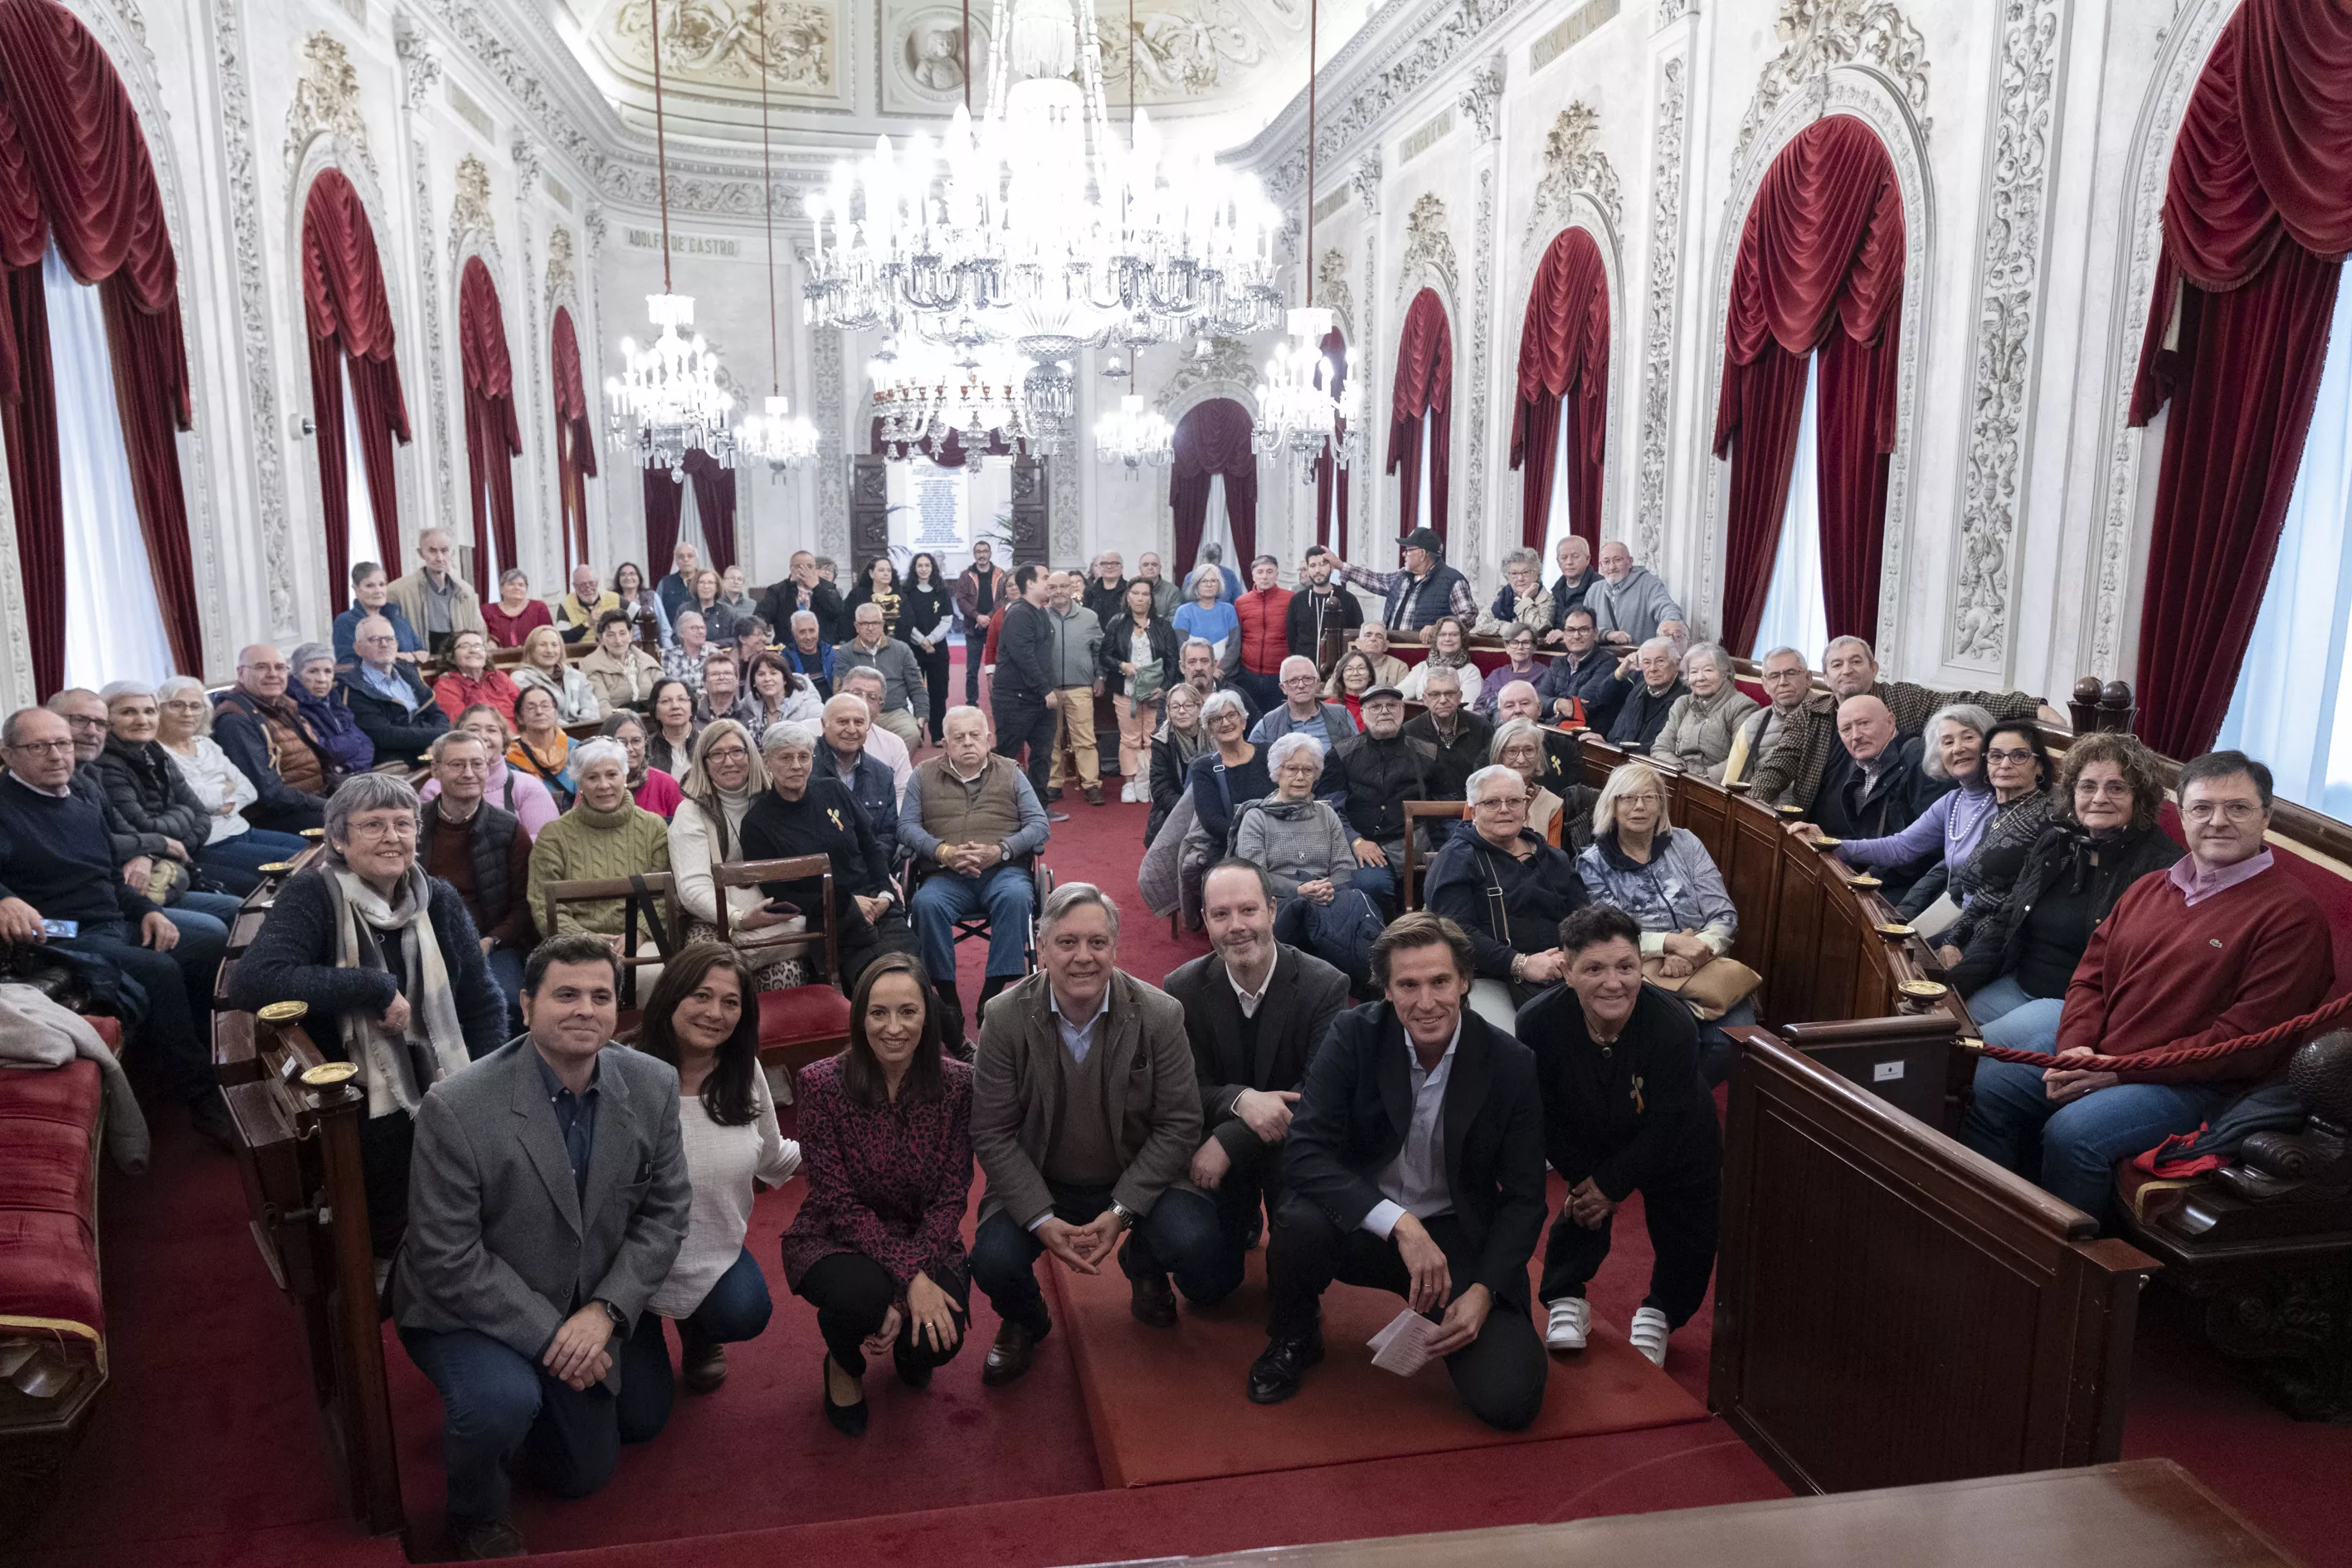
x=1149 y=678
x=1711 y=990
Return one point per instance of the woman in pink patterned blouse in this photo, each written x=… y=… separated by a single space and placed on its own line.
x=886 y=1141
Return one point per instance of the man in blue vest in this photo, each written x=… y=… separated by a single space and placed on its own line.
x=1426 y=589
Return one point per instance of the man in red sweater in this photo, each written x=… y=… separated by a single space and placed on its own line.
x=2224 y=945
x=1265 y=613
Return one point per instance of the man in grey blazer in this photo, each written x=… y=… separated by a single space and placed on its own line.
x=1085 y=1114
x=1254 y=1010
x=547 y=1199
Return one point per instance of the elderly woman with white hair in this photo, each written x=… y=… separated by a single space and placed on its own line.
x=310 y=681
x=1523 y=603
x=802 y=811
x=1519 y=744
x=1699 y=727
x=389 y=963
x=183 y=729
x=158 y=800
x=1663 y=876
x=605 y=834
x=1309 y=856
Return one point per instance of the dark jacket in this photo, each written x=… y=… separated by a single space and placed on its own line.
x=1457 y=760
x=1433 y=602
x=1643 y=713
x=875 y=789
x=1025 y=652
x=1118 y=646
x=1567 y=596
x=1876 y=808
x=967 y=597
x=824 y=821
x=1535 y=894
x=1356 y=1104
x=1593 y=683
x=1635 y=1117
x=294 y=959
x=347 y=627
x=777 y=604
x=1219 y=793
x=59 y=855
x=818 y=666
x=1302 y=997
x=1168 y=781
x=397 y=733
x=238 y=727
x=1107 y=604
x=1312 y=615
x=1370 y=781
x=348 y=748
x=498 y=852
x=1991 y=934
x=146 y=790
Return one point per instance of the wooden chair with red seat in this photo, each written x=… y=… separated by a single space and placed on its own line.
x=800 y=1024
x=650 y=912
x=1444 y=814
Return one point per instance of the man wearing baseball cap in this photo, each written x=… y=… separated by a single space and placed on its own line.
x=1426 y=588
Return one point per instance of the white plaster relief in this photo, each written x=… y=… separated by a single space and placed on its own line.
x=1665 y=291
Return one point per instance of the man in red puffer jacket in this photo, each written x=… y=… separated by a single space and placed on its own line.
x=1265 y=613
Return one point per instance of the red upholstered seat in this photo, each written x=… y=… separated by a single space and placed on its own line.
x=1754 y=689
x=802 y=1016
x=48 y=1196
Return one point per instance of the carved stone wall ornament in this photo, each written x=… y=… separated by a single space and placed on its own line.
x=470 y=210
x=1331 y=291
x=327 y=102
x=1481 y=99
x=1366 y=178
x=417 y=57
x=1572 y=163
x=1658 y=326
x=2008 y=302
x=1227 y=363
x=1479 y=371
x=563 y=287
x=1428 y=250
x=832 y=529
x=423 y=67
x=1816 y=35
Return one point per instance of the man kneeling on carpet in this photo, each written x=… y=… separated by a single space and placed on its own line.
x=1085 y=1114
x=1624 y=1110
x=1415 y=1165
x=548 y=1197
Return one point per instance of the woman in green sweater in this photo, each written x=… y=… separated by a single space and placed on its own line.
x=605 y=834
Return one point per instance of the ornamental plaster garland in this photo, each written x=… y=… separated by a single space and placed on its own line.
x=1816 y=35
x=1481 y=267
x=327 y=102
x=1658 y=330
x=424 y=68
x=1572 y=165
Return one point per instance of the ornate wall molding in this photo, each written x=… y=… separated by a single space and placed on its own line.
x=1818 y=35
x=1331 y=290
x=832 y=529
x=481 y=38
x=2025 y=86
x=469 y=209
x=1671 y=140
x=531 y=366
x=327 y=103
x=2180 y=60
x=1480 y=368
x=1366 y=178
x=1227 y=364
x=562 y=284
x=1481 y=99
x=422 y=67
x=1427 y=258
x=1572 y=163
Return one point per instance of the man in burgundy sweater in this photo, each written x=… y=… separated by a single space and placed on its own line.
x=2224 y=945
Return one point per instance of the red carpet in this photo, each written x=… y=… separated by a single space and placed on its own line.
x=1168 y=1407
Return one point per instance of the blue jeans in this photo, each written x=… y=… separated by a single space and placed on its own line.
x=1005 y=894
x=2008 y=1017
x=1179 y=1236
x=495 y=1400
x=236 y=863
x=1340 y=933
x=1715 y=1046
x=179 y=986
x=735 y=1308
x=2071 y=1150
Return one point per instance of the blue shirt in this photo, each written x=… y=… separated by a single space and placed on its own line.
x=1213 y=624
x=1077 y=1038
x=575 y=1117
x=389 y=683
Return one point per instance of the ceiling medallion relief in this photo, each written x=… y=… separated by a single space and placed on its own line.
x=716 y=44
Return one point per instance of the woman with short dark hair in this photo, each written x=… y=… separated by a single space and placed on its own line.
x=703 y=1019
x=878 y=1246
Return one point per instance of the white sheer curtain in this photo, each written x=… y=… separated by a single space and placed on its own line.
x=2293 y=707
x=1556 y=526
x=358 y=510
x=1428 y=426
x=1794 y=613
x=114 y=625
x=689 y=531
x=1217 y=529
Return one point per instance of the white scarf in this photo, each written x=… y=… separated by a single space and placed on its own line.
x=398 y=1070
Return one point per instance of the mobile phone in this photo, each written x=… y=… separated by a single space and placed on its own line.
x=61 y=928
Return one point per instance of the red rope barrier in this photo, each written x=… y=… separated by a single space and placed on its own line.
x=2311 y=1023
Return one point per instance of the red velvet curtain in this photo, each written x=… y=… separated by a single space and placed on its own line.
x=74 y=171
x=714 y=503
x=1820 y=268
x=1213 y=438
x=1563 y=373
x=665 y=502
x=1424 y=387
x=1330 y=479
x=2257 y=221
x=493 y=438
x=350 y=320
x=575 y=438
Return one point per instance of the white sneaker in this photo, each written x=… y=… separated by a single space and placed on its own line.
x=1649 y=1334
x=1571 y=1321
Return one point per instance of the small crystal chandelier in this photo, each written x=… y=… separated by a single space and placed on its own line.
x=921 y=395
x=1135 y=435
x=774 y=436
x=1305 y=405
x=668 y=401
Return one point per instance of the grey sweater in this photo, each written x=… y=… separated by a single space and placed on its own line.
x=902 y=677
x=1297 y=841
x=1634 y=606
x=1698 y=730
x=1076 y=638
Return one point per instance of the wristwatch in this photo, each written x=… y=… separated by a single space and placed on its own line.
x=620 y=1320
x=1127 y=1216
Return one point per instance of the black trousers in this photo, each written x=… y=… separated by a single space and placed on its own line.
x=1499 y=1376
x=1251 y=1191
x=1179 y=1237
x=935 y=668
x=852 y=1295
x=973 y=649
x=385 y=1144
x=1024 y=720
x=1682 y=1223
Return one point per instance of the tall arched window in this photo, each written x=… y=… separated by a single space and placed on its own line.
x=1212 y=484
x=493 y=438
x=355 y=396
x=1559 y=422
x=1811 y=337
x=1330 y=479
x=576 y=440
x=2257 y=218
x=1419 y=444
x=78 y=200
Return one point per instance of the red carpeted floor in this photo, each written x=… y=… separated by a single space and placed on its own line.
x=206 y=1453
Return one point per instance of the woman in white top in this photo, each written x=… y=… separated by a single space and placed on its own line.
x=546 y=664
x=707 y=830
x=702 y=1019
x=184 y=722
x=1449 y=646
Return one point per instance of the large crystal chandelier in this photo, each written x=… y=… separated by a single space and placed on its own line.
x=1304 y=403
x=774 y=436
x=922 y=393
x=1135 y=437
x=667 y=400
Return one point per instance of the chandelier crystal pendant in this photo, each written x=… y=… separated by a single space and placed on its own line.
x=775 y=435
x=1305 y=405
x=1135 y=437
x=668 y=399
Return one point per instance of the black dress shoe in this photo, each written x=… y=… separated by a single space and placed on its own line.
x=1275 y=1375
x=849 y=1420
x=913 y=1374
x=1008 y=1357
x=484 y=1542
x=1153 y=1300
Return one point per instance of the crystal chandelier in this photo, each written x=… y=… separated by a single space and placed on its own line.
x=774 y=436
x=922 y=395
x=668 y=401
x=1305 y=405
x=1135 y=437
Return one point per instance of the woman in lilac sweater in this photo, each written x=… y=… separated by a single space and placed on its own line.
x=1959 y=820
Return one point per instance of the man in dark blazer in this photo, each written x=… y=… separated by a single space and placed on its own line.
x=1415 y=1164
x=388 y=700
x=547 y=1199
x=1254 y=1010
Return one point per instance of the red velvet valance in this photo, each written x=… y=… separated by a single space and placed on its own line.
x=75 y=171
x=1563 y=372
x=1332 y=481
x=2257 y=220
x=493 y=437
x=1214 y=438
x=575 y=437
x=1819 y=269
x=1424 y=387
x=349 y=316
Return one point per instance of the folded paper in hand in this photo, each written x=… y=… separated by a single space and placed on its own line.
x=1402 y=1347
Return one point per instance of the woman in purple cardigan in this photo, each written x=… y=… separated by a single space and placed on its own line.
x=886 y=1144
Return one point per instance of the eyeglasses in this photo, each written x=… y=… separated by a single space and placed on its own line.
x=377 y=832
x=1500 y=803
x=85 y=722
x=726 y=754
x=2004 y=754
x=2234 y=810
x=43 y=748
x=2103 y=788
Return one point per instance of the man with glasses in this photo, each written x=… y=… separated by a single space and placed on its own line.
x=1580 y=686
x=271 y=744
x=1302 y=709
x=388 y=700
x=61 y=883
x=1508 y=890
x=2224 y=944
x=484 y=855
x=1787 y=683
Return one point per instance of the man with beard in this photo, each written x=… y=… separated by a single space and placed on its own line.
x=1369 y=778
x=1459 y=736
x=1321 y=618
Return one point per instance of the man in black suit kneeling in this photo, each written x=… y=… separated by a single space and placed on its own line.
x=1415 y=1164
x=1254 y=1009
